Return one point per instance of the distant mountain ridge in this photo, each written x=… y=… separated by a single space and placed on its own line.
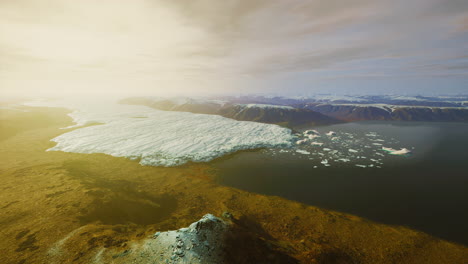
x=263 y=113
x=376 y=107
x=319 y=110
x=395 y=113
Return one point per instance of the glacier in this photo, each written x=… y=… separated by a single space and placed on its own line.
x=159 y=138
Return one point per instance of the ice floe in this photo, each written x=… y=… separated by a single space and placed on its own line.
x=301 y=151
x=325 y=162
x=311 y=132
x=400 y=152
x=313 y=136
x=302 y=141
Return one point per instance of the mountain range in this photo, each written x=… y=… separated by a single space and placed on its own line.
x=319 y=109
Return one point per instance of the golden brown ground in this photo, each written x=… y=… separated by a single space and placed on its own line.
x=101 y=201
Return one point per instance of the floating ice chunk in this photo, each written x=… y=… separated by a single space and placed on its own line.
x=301 y=151
x=401 y=152
x=388 y=149
x=325 y=161
x=344 y=160
x=311 y=132
x=353 y=151
x=335 y=138
x=361 y=166
x=331 y=133
x=326 y=149
x=313 y=136
x=300 y=142
x=316 y=143
x=376 y=144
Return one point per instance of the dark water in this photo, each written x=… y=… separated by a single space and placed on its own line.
x=427 y=191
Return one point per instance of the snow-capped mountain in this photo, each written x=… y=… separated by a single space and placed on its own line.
x=320 y=109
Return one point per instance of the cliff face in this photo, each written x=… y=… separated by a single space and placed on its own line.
x=352 y=113
x=431 y=114
x=272 y=114
x=395 y=113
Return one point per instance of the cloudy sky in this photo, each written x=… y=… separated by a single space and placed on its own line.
x=290 y=47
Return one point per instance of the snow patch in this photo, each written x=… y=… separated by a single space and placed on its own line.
x=264 y=106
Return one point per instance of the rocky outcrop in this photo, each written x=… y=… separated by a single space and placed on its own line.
x=211 y=240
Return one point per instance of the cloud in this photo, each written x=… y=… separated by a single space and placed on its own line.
x=209 y=46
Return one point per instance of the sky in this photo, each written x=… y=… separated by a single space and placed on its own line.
x=283 y=47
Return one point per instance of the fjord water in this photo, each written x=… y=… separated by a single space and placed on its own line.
x=427 y=191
